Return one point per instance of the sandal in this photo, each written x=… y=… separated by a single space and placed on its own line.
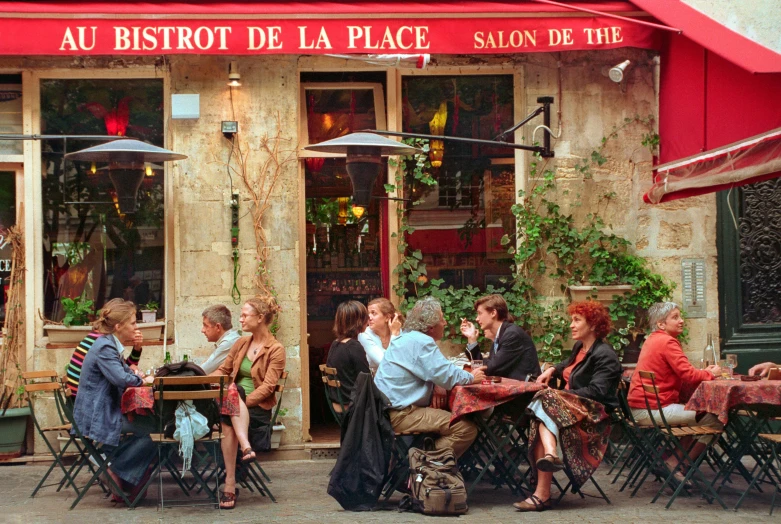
x=535 y=505
x=550 y=464
x=228 y=498
x=247 y=455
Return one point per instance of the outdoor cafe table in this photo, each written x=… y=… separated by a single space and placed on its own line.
x=475 y=398
x=141 y=401
x=762 y=399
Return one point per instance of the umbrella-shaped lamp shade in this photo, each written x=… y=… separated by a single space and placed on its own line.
x=126 y=160
x=364 y=152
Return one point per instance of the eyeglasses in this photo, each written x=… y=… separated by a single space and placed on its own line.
x=243 y=315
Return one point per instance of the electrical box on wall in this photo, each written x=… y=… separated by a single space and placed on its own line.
x=230 y=127
x=185 y=106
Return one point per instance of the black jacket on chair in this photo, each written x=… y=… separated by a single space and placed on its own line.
x=597 y=376
x=515 y=356
x=367 y=442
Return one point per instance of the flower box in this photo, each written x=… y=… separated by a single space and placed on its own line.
x=13 y=426
x=152 y=331
x=602 y=294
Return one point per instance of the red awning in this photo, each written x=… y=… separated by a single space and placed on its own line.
x=714 y=36
x=347 y=27
x=751 y=160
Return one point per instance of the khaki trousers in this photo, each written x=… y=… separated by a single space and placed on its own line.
x=415 y=419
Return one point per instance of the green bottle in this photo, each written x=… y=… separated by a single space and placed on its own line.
x=167 y=358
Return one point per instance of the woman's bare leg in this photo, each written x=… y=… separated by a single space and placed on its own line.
x=546 y=445
x=229 y=447
x=241 y=426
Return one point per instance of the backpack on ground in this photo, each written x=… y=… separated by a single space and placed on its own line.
x=435 y=484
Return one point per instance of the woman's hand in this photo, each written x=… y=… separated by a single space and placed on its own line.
x=149 y=379
x=469 y=331
x=546 y=376
x=714 y=370
x=395 y=325
x=138 y=339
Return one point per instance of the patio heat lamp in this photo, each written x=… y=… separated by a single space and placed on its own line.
x=364 y=157
x=127 y=159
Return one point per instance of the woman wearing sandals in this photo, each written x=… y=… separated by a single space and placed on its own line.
x=574 y=420
x=384 y=325
x=254 y=364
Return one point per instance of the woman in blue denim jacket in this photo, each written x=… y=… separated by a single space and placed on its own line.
x=104 y=377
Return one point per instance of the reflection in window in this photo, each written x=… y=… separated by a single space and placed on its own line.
x=460 y=221
x=7 y=219
x=91 y=249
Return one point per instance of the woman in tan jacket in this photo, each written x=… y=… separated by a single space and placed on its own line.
x=254 y=364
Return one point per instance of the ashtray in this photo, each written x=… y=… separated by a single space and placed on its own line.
x=750 y=378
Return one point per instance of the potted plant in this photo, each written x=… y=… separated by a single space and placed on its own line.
x=149 y=311
x=277 y=429
x=79 y=312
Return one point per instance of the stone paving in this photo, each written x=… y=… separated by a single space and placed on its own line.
x=300 y=488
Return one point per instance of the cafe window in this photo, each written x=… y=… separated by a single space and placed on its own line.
x=459 y=221
x=7 y=219
x=93 y=247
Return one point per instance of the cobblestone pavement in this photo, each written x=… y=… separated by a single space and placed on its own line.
x=300 y=488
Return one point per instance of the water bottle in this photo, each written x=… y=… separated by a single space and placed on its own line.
x=709 y=354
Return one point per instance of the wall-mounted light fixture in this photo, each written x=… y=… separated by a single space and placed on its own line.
x=616 y=72
x=234 y=78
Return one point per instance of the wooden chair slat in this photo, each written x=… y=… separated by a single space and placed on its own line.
x=44 y=373
x=649 y=389
x=647 y=374
x=279 y=388
x=188 y=395
x=43 y=386
x=190 y=381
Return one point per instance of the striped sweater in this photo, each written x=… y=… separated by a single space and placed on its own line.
x=73 y=371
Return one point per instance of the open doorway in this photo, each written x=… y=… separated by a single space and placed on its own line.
x=344 y=248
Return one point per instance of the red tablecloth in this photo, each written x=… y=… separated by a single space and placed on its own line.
x=720 y=396
x=141 y=401
x=477 y=397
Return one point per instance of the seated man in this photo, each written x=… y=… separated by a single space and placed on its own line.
x=513 y=354
x=407 y=374
x=218 y=328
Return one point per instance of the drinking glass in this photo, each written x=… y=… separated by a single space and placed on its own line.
x=725 y=371
x=732 y=363
x=476 y=364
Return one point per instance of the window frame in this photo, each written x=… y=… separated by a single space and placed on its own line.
x=33 y=216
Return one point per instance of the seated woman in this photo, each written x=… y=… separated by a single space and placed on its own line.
x=346 y=353
x=663 y=355
x=104 y=377
x=254 y=364
x=73 y=370
x=574 y=420
x=384 y=325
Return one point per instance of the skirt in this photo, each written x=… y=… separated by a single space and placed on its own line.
x=259 y=424
x=582 y=428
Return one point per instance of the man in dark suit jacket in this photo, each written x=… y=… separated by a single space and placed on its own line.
x=513 y=354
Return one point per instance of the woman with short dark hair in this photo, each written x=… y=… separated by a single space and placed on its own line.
x=347 y=354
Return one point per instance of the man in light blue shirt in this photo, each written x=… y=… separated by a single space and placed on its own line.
x=218 y=328
x=412 y=366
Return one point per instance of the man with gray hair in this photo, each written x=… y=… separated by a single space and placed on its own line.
x=412 y=366
x=218 y=328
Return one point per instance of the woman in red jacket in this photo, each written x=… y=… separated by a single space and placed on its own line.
x=663 y=355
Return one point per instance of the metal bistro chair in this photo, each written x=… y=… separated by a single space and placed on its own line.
x=48 y=381
x=332 y=388
x=670 y=443
x=772 y=442
x=182 y=389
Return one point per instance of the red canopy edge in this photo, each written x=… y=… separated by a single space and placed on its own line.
x=299 y=8
x=714 y=36
x=747 y=161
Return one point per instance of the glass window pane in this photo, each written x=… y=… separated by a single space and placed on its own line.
x=7 y=219
x=460 y=221
x=92 y=249
x=332 y=113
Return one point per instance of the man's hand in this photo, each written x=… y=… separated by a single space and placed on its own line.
x=762 y=369
x=546 y=376
x=478 y=374
x=469 y=331
x=439 y=398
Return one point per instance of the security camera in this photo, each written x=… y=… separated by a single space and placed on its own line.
x=616 y=73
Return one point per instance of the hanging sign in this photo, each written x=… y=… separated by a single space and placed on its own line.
x=150 y=36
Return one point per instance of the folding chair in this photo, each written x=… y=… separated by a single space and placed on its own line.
x=182 y=389
x=399 y=471
x=49 y=381
x=773 y=444
x=670 y=443
x=332 y=388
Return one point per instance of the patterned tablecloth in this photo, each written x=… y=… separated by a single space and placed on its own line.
x=141 y=401
x=478 y=397
x=721 y=396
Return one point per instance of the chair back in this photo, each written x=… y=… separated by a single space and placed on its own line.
x=278 y=389
x=44 y=381
x=333 y=392
x=194 y=388
x=645 y=378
